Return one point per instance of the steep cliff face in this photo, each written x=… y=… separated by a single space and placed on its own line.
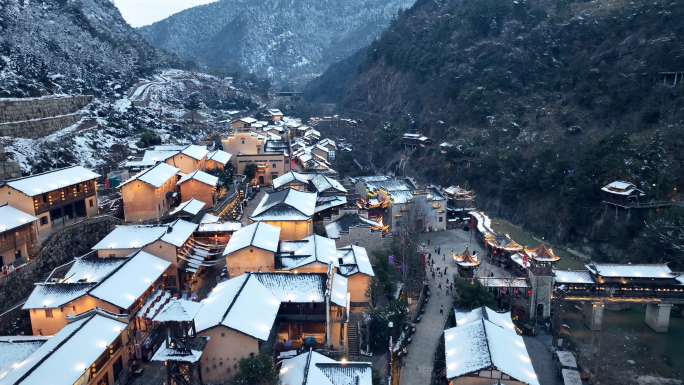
x=553 y=99
x=70 y=46
x=276 y=38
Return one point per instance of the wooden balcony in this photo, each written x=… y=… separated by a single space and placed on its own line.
x=14 y=240
x=56 y=200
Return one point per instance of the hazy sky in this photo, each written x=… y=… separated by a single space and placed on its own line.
x=143 y=12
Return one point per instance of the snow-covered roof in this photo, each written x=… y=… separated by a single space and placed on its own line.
x=434 y=194
x=260 y=235
x=275 y=112
x=289 y=178
x=354 y=260
x=247 y=120
x=455 y=190
x=482 y=345
x=196 y=152
x=504 y=282
x=219 y=227
x=164 y=353
x=53 y=295
x=242 y=303
x=179 y=232
x=155 y=176
x=566 y=358
x=347 y=221
x=314 y=248
x=503 y=320
x=312 y=368
x=571 y=377
x=219 y=156
x=37 y=184
x=169 y=147
x=91 y=269
x=200 y=176
x=619 y=187
x=208 y=218
x=297 y=288
x=14 y=350
x=120 y=286
x=137 y=236
x=179 y=311
x=572 y=276
x=323 y=183
x=338 y=291
x=518 y=258
x=324 y=203
x=193 y=206
x=400 y=196
x=389 y=185
x=130 y=281
x=154 y=156
x=285 y=205
x=69 y=354
x=11 y=218
x=630 y=271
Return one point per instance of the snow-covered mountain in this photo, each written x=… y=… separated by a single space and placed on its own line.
x=71 y=46
x=281 y=39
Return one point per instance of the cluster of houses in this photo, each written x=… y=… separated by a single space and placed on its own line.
x=286 y=290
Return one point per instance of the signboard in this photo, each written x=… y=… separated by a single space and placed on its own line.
x=391 y=259
x=138 y=336
x=138 y=352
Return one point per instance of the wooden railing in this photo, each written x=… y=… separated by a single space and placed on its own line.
x=15 y=241
x=59 y=202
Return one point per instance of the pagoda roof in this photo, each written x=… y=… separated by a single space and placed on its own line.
x=542 y=254
x=466 y=259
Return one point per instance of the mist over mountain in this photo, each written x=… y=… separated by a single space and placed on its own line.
x=280 y=39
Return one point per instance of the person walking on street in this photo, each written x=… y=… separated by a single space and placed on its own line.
x=439 y=286
x=441 y=309
x=428 y=241
x=445 y=269
x=433 y=274
x=438 y=249
x=447 y=280
x=443 y=257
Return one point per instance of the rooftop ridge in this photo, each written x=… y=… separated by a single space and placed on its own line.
x=38 y=174
x=249 y=275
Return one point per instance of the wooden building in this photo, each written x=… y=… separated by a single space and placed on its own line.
x=17 y=235
x=149 y=194
x=56 y=198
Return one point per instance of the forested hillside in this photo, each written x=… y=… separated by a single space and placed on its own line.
x=279 y=39
x=71 y=46
x=554 y=99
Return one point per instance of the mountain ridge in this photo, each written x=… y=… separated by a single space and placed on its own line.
x=301 y=38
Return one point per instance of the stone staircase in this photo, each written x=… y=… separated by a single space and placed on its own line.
x=353 y=336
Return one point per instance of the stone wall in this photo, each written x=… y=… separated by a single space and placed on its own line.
x=38 y=128
x=17 y=110
x=8 y=170
x=65 y=244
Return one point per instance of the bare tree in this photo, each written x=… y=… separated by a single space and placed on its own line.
x=407 y=246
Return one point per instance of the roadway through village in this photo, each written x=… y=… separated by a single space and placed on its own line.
x=419 y=361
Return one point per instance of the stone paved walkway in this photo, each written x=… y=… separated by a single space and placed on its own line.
x=419 y=361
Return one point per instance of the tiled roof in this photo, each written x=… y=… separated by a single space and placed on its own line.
x=37 y=184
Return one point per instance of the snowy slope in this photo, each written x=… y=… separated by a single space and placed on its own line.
x=276 y=38
x=70 y=46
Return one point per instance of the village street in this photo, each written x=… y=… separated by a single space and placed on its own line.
x=419 y=361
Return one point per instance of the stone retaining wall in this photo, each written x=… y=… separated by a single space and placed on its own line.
x=8 y=170
x=38 y=128
x=60 y=248
x=18 y=110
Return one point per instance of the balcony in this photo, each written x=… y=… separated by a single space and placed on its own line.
x=14 y=241
x=56 y=200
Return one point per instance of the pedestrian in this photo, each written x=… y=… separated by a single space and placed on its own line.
x=439 y=286
x=443 y=257
x=447 y=280
x=447 y=291
x=429 y=256
x=445 y=269
x=433 y=275
x=438 y=249
x=441 y=309
x=428 y=241
x=451 y=286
